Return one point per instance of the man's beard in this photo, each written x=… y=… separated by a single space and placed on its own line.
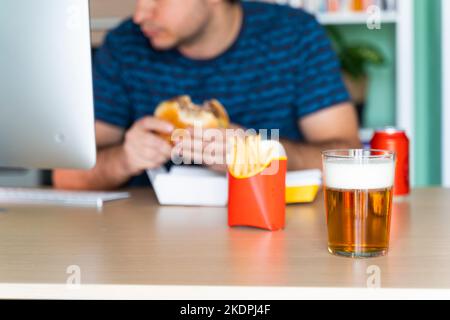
x=194 y=38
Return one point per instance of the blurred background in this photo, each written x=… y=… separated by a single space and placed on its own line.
x=391 y=55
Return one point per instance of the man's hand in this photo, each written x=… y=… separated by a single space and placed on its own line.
x=121 y=155
x=207 y=147
x=143 y=148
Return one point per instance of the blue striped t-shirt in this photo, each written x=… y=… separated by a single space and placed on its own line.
x=281 y=68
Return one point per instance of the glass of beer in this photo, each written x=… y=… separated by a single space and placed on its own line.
x=358 y=188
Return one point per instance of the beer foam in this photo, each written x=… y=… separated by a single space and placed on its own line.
x=359 y=174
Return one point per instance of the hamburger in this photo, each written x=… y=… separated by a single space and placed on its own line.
x=182 y=113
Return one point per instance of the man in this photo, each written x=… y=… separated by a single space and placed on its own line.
x=271 y=66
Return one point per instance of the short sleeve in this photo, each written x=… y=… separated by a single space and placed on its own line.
x=320 y=83
x=112 y=104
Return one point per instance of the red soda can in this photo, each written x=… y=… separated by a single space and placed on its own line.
x=392 y=139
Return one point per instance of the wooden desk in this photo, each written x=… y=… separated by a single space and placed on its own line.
x=137 y=242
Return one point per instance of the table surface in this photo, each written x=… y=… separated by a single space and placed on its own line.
x=138 y=242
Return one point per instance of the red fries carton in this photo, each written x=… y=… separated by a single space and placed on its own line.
x=257 y=184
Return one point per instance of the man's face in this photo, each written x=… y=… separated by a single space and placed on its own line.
x=170 y=23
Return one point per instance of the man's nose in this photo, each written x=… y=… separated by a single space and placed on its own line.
x=144 y=10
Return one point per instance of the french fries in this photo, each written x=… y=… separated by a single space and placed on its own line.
x=248 y=156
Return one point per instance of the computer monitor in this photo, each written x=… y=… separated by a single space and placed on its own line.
x=46 y=92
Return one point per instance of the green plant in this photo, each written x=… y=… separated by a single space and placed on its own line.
x=355 y=58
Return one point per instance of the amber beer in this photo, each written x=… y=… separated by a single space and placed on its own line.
x=358 y=200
